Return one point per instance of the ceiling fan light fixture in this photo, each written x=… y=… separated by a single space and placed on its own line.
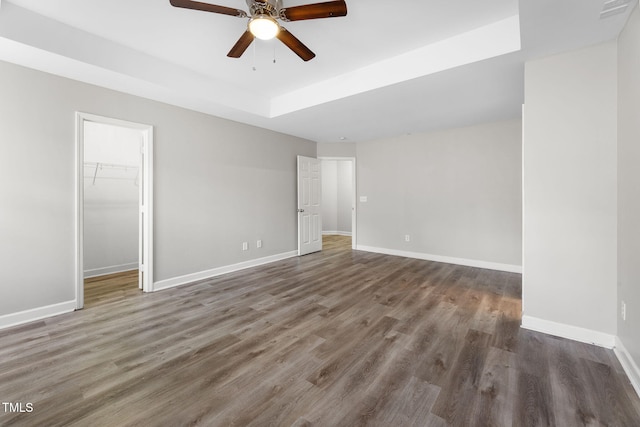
x=263 y=27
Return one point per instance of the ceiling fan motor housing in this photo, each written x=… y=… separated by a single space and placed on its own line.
x=265 y=7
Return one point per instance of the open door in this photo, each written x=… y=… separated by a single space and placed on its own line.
x=145 y=183
x=141 y=217
x=309 y=206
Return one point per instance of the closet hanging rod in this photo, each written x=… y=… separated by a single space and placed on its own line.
x=100 y=166
x=110 y=165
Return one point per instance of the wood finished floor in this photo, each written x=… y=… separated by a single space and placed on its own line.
x=337 y=338
x=110 y=288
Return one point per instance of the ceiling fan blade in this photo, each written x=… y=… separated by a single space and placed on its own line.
x=328 y=9
x=196 y=5
x=294 y=44
x=241 y=45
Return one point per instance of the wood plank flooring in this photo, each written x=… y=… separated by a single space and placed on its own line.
x=337 y=338
x=110 y=288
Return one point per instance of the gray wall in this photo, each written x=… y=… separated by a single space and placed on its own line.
x=337 y=196
x=217 y=183
x=345 y=196
x=570 y=189
x=457 y=193
x=329 y=170
x=629 y=184
x=336 y=149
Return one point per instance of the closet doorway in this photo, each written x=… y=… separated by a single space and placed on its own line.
x=114 y=214
x=339 y=216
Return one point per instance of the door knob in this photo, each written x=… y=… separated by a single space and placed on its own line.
x=300 y=210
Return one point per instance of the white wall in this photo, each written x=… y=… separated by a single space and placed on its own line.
x=457 y=193
x=337 y=196
x=111 y=194
x=569 y=154
x=217 y=183
x=628 y=185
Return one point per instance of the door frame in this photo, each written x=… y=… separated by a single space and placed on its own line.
x=354 y=204
x=146 y=200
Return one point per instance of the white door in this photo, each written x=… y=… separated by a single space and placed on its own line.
x=141 y=218
x=309 y=206
x=145 y=236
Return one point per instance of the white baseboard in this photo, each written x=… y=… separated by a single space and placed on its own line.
x=628 y=364
x=571 y=332
x=95 y=272
x=445 y=259
x=26 y=316
x=207 y=274
x=336 y=233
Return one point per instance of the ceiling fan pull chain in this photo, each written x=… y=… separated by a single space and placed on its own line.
x=254 y=57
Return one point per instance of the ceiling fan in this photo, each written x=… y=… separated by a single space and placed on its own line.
x=263 y=22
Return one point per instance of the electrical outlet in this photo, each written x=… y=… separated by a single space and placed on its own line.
x=259 y=244
x=245 y=246
x=623 y=311
x=407 y=238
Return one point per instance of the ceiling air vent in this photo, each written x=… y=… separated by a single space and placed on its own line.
x=613 y=7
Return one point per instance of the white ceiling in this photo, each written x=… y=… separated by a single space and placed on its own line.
x=387 y=68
